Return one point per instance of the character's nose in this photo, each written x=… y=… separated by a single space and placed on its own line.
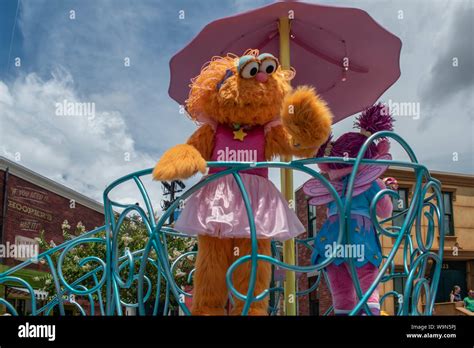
x=261 y=77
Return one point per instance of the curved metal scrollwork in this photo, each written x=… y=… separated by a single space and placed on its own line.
x=149 y=275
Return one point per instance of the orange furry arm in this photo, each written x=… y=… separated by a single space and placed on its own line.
x=203 y=141
x=184 y=160
x=307 y=121
x=278 y=143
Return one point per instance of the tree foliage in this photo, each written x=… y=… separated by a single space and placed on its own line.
x=133 y=236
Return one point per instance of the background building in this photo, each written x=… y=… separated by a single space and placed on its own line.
x=30 y=203
x=458 y=262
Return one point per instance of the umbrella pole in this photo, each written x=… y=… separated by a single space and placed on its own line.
x=286 y=176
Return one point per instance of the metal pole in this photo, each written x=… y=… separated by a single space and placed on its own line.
x=287 y=181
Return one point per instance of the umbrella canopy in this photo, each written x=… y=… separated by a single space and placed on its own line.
x=343 y=52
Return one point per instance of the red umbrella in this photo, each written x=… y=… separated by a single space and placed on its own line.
x=343 y=52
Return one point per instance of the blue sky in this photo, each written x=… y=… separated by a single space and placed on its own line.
x=82 y=60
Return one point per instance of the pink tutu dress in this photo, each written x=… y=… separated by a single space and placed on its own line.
x=218 y=210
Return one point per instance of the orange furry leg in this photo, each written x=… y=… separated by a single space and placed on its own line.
x=242 y=275
x=210 y=290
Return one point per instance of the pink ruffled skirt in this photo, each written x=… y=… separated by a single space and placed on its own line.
x=218 y=210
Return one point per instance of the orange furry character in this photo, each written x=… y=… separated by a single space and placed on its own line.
x=247 y=111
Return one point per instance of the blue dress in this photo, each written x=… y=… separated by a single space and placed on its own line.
x=365 y=245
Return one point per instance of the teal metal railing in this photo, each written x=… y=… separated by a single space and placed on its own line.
x=101 y=286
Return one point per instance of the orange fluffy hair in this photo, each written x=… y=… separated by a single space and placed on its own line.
x=238 y=100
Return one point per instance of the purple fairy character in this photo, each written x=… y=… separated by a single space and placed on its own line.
x=364 y=247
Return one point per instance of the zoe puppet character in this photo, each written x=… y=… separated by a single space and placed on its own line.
x=246 y=111
x=362 y=231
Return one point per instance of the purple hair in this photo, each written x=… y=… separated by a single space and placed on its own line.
x=374 y=119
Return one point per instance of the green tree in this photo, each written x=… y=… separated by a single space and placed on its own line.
x=132 y=236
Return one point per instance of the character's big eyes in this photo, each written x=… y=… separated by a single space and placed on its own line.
x=268 y=65
x=249 y=70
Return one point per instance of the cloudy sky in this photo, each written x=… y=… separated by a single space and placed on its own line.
x=47 y=57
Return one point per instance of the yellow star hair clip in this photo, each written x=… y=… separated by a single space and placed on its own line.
x=239 y=134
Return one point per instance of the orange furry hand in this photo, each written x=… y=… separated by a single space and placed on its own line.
x=179 y=162
x=306 y=118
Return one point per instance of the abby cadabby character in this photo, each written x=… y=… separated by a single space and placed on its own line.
x=364 y=245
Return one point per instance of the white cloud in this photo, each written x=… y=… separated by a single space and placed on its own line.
x=83 y=152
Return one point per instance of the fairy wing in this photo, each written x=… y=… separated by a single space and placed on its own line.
x=367 y=174
x=319 y=194
x=323 y=196
x=315 y=187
